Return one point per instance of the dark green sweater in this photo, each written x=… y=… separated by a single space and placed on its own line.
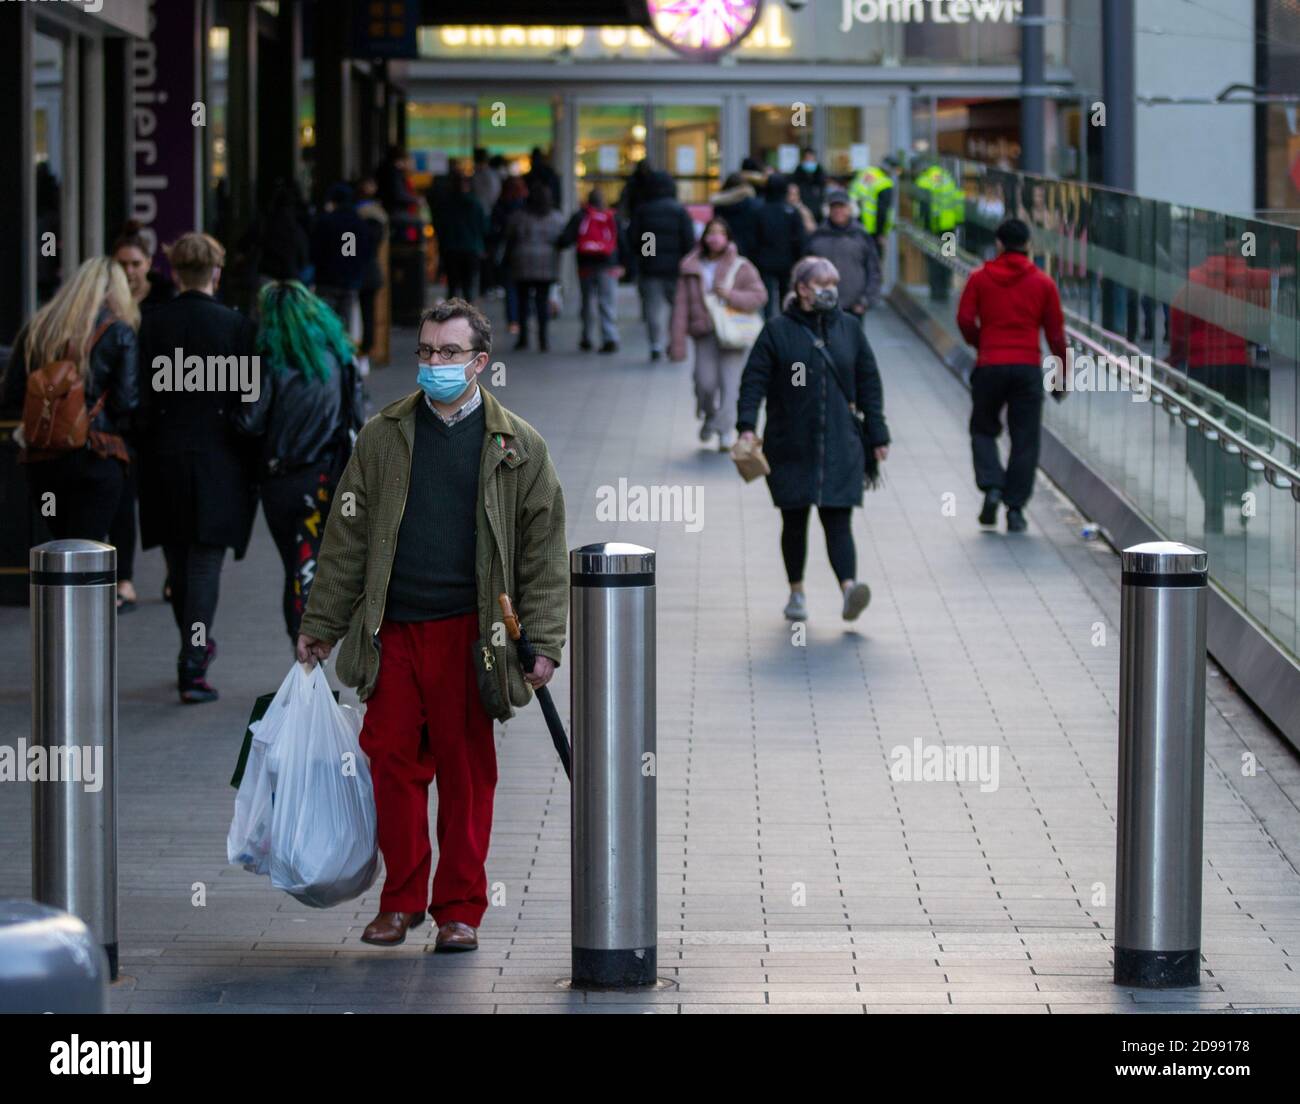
x=433 y=565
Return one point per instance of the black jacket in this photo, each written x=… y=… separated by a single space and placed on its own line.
x=114 y=368
x=779 y=235
x=197 y=461
x=738 y=208
x=333 y=269
x=812 y=188
x=299 y=421
x=809 y=437
x=669 y=222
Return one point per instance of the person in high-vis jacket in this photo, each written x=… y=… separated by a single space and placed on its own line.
x=943 y=210
x=873 y=191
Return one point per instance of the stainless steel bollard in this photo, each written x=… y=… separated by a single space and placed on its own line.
x=74 y=728
x=49 y=962
x=615 y=876
x=1161 y=766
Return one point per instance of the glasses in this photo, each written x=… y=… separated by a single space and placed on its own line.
x=444 y=352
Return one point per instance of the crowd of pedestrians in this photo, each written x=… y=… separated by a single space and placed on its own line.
x=767 y=297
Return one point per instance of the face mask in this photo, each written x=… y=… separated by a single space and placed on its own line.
x=443 y=382
x=825 y=299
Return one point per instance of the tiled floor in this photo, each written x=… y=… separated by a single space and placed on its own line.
x=794 y=873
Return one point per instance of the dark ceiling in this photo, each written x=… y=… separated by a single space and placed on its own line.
x=548 y=12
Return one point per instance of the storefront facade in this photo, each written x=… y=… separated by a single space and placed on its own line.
x=851 y=80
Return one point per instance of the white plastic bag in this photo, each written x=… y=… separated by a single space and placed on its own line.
x=248 y=843
x=305 y=811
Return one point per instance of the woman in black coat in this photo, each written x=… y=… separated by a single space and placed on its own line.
x=807 y=364
x=197 y=492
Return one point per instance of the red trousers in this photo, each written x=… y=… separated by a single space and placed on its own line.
x=425 y=720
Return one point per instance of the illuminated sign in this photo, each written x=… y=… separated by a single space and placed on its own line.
x=937 y=11
x=702 y=28
x=768 y=35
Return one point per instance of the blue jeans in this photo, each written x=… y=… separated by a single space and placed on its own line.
x=599 y=288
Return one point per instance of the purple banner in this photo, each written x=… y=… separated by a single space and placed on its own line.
x=167 y=155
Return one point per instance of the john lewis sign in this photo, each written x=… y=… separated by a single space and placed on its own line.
x=932 y=11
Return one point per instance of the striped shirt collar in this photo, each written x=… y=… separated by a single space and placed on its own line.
x=467 y=408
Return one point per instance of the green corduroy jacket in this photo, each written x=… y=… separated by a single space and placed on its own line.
x=520 y=549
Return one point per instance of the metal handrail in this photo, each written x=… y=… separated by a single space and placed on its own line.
x=1276 y=473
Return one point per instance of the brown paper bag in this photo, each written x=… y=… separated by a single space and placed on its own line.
x=749 y=459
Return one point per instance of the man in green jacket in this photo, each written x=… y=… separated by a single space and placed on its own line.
x=448 y=500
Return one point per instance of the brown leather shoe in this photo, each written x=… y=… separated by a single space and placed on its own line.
x=389 y=929
x=456 y=937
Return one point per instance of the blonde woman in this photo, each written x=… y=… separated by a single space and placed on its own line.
x=91 y=320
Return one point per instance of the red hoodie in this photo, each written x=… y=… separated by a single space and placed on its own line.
x=1223 y=288
x=1004 y=305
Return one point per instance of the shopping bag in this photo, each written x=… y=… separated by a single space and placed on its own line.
x=323 y=842
x=749 y=459
x=248 y=843
x=733 y=329
x=260 y=707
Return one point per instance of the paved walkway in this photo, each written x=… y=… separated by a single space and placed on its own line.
x=795 y=873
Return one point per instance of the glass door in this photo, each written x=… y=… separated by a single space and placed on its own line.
x=686 y=144
x=611 y=140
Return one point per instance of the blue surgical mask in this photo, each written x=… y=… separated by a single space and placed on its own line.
x=443 y=382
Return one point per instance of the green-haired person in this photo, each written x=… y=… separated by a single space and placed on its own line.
x=308 y=415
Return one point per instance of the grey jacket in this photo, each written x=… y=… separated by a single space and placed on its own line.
x=851 y=250
x=531 y=244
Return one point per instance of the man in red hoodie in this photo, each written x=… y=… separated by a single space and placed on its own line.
x=1004 y=305
x=1208 y=321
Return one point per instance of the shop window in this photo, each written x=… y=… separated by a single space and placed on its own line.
x=51 y=160
x=611 y=140
x=513 y=126
x=686 y=145
x=778 y=132
x=438 y=136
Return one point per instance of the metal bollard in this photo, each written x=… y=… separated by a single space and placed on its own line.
x=49 y=962
x=74 y=726
x=615 y=877
x=1161 y=766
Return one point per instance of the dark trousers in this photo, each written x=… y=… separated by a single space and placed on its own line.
x=366 y=297
x=1221 y=477
x=538 y=293
x=1018 y=387
x=296 y=505
x=121 y=533
x=839 y=541
x=461 y=270
x=777 y=285
x=86 y=489
x=194 y=571
x=940 y=276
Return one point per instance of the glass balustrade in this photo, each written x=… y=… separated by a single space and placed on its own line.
x=1200 y=303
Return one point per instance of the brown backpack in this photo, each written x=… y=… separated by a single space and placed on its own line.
x=55 y=418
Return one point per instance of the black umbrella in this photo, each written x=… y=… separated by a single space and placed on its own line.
x=527 y=659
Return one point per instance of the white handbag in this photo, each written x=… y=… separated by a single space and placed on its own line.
x=734 y=329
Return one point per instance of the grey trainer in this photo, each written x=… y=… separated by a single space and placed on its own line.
x=856 y=599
